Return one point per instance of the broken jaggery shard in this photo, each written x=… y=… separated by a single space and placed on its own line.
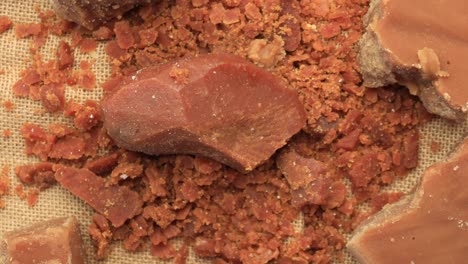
x=420 y=44
x=428 y=226
x=55 y=241
x=90 y=13
x=216 y=105
x=116 y=203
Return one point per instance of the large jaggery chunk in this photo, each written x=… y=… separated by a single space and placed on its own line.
x=422 y=45
x=217 y=105
x=56 y=241
x=91 y=13
x=428 y=226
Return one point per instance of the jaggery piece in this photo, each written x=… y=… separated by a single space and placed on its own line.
x=116 y=203
x=217 y=105
x=298 y=170
x=55 y=241
x=91 y=14
x=422 y=45
x=40 y=174
x=428 y=226
x=5 y=24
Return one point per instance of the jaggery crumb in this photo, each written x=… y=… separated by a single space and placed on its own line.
x=266 y=53
x=8 y=105
x=5 y=24
x=179 y=75
x=19 y=191
x=88 y=45
x=6 y=133
x=28 y=30
x=435 y=147
x=4 y=185
x=32 y=197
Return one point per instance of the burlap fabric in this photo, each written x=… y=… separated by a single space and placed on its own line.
x=55 y=202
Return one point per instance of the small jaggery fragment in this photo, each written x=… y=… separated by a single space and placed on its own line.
x=8 y=105
x=265 y=53
x=40 y=174
x=88 y=45
x=428 y=226
x=100 y=232
x=53 y=96
x=435 y=146
x=5 y=23
x=86 y=115
x=86 y=77
x=116 y=203
x=55 y=241
x=65 y=57
x=6 y=133
x=27 y=30
x=228 y=109
x=291 y=27
x=308 y=181
x=91 y=14
x=298 y=170
x=102 y=165
x=422 y=45
x=4 y=185
x=103 y=33
x=32 y=197
x=123 y=35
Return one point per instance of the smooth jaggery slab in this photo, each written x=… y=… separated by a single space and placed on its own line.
x=422 y=44
x=92 y=13
x=428 y=226
x=217 y=105
x=57 y=241
x=117 y=203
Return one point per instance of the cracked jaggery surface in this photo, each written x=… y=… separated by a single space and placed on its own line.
x=214 y=105
x=413 y=229
x=424 y=50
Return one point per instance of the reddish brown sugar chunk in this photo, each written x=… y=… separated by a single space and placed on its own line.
x=423 y=45
x=116 y=203
x=65 y=58
x=224 y=108
x=428 y=226
x=55 y=241
x=91 y=14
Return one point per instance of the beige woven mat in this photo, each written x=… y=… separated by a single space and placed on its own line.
x=54 y=202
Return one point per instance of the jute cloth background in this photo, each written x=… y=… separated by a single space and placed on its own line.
x=55 y=202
